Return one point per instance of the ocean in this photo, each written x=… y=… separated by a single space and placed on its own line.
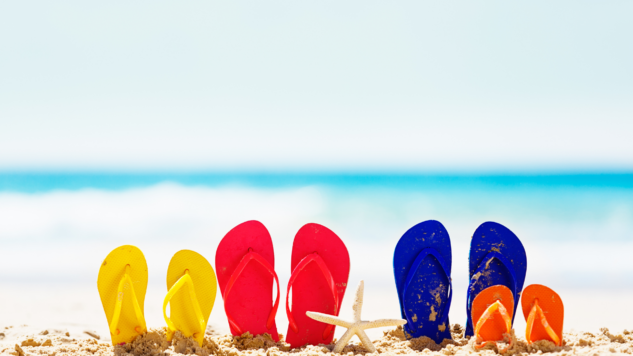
x=56 y=228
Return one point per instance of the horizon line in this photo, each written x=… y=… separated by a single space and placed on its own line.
x=324 y=172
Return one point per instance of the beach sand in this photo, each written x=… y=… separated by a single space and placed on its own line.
x=52 y=311
x=29 y=341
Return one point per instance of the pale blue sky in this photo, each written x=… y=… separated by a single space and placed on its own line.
x=316 y=85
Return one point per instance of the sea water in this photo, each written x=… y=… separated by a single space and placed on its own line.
x=56 y=229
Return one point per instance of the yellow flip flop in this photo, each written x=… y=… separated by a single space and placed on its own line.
x=122 y=284
x=191 y=286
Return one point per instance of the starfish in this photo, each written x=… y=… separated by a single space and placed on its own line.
x=357 y=327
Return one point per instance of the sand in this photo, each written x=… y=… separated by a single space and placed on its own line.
x=25 y=341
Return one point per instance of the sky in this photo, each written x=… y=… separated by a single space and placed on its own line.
x=452 y=86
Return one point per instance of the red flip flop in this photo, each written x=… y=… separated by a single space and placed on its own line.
x=320 y=269
x=244 y=263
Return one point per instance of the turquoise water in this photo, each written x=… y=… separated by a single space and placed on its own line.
x=577 y=229
x=42 y=182
x=577 y=205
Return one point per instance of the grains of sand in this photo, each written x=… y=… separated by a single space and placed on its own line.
x=393 y=342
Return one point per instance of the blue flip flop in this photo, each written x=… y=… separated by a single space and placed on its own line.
x=497 y=257
x=422 y=269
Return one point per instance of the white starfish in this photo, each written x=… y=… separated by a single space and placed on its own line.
x=357 y=327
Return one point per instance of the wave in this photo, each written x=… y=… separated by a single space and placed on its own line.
x=573 y=238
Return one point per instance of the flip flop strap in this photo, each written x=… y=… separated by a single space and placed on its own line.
x=536 y=309
x=489 y=313
x=412 y=271
x=119 y=303
x=251 y=256
x=182 y=281
x=313 y=257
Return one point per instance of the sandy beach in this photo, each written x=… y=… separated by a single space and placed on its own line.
x=68 y=320
x=25 y=341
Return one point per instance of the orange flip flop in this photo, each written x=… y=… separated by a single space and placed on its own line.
x=542 y=304
x=492 y=314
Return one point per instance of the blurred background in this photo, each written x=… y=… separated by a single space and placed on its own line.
x=164 y=125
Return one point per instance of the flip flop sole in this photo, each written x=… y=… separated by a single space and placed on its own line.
x=494 y=328
x=250 y=301
x=552 y=306
x=181 y=308
x=428 y=291
x=310 y=291
x=111 y=272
